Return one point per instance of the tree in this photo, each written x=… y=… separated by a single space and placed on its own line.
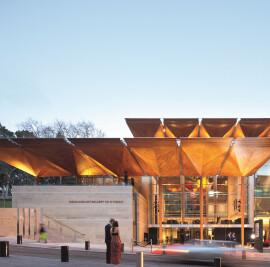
x=6 y=172
x=87 y=129
x=24 y=134
x=4 y=132
x=60 y=128
x=31 y=125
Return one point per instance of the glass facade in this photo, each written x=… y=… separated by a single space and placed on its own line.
x=181 y=206
x=221 y=200
x=82 y=180
x=172 y=198
x=262 y=195
x=262 y=198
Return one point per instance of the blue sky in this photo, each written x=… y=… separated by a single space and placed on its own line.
x=108 y=60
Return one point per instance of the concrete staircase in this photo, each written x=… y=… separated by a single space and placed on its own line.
x=59 y=232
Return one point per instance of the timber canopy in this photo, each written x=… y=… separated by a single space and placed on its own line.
x=160 y=148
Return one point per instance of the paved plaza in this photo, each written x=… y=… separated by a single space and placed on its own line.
x=31 y=253
x=14 y=261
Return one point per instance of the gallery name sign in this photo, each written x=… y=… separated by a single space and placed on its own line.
x=96 y=201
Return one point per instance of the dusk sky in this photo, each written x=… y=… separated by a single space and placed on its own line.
x=104 y=61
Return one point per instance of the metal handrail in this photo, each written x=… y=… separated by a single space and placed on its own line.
x=60 y=227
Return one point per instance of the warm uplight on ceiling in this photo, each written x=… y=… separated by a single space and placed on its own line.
x=88 y=172
x=24 y=168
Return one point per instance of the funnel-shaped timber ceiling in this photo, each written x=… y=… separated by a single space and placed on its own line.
x=157 y=157
x=109 y=153
x=180 y=127
x=55 y=150
x=25 y=160
x=255 y=127
x=203 y=156
x=153 y=156
x=240 y=149
x=217 y=127
x=246 y=156
x=192 y=128
x=88 y=166
x=145 y=127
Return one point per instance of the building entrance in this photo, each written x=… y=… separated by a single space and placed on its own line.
x=175 y=234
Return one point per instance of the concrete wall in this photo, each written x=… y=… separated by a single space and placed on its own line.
x=142 y=217
x=8 y=222
x=29 y=220
x=86 y=209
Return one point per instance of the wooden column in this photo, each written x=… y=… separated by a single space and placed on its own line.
x=183 y=199
x=160 y=200
x=215 y=198
x=206 y=205
x=201 y=209
x=36 y=180
x=242 y=210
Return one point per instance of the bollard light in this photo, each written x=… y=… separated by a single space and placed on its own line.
x=64 y=253
x=4 y=249
x=87 y=245
x=217 y=262
x=19 y=239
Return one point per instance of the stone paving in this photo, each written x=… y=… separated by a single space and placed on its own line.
x=24 y=260
x=75 y=246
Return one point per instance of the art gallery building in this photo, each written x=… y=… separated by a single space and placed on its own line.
x=200 y=177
